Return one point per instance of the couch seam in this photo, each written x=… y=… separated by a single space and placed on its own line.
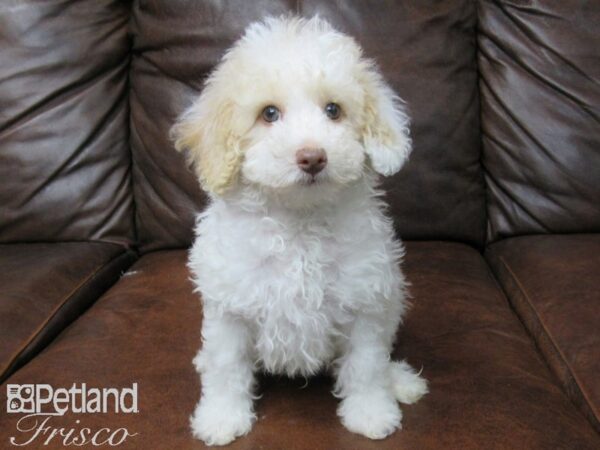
x=482 y=174
x=546 y=332
x=130 y=64
x=54 y=312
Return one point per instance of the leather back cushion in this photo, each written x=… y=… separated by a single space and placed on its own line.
x=426 y=50
x=540 y=93
x=64 y=154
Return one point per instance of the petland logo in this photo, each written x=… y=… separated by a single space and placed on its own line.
x=41 y=402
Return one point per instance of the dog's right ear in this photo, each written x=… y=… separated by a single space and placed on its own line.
x=206 y=132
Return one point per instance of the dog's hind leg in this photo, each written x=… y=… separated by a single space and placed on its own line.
x=407 y=384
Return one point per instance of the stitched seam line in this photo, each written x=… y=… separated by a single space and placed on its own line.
x=550 y=339
x=53 y=314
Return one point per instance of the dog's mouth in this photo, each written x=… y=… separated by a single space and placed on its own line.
x=311 y=181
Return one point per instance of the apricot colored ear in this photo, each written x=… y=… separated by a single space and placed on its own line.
x=385 y=133
x=205 y=132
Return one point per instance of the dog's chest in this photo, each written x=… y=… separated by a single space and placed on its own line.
x=298 y=317
x=296 y=283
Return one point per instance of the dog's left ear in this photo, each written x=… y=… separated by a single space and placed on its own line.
x=385 y=131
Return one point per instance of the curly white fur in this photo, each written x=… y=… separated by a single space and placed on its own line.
x=297 y=274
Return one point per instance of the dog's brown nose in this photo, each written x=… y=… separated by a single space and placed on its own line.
x=311 y=160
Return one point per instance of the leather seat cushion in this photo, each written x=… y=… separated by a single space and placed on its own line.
x=489 y=387
x=553 y=282
x=43 y=287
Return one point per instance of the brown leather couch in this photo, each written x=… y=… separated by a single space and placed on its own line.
x=499 y=207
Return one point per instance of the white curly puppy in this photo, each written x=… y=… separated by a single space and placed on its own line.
x=297 y=264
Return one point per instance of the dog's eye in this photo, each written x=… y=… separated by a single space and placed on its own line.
x=270 y=114
x=333 y=111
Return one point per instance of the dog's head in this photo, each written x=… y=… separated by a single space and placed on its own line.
x=293 y=105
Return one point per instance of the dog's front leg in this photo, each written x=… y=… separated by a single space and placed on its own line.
x=368 y=405
x=226 y=373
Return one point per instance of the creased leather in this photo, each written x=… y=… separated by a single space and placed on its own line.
x=64 y=154
x=540 y=106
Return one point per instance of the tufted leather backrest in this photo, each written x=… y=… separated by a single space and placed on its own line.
x=427 y=51
x=540 y=93
x=64 y=152
x=66 y=131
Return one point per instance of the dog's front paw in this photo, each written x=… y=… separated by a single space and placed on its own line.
x=219 y=423
x=373 y=414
